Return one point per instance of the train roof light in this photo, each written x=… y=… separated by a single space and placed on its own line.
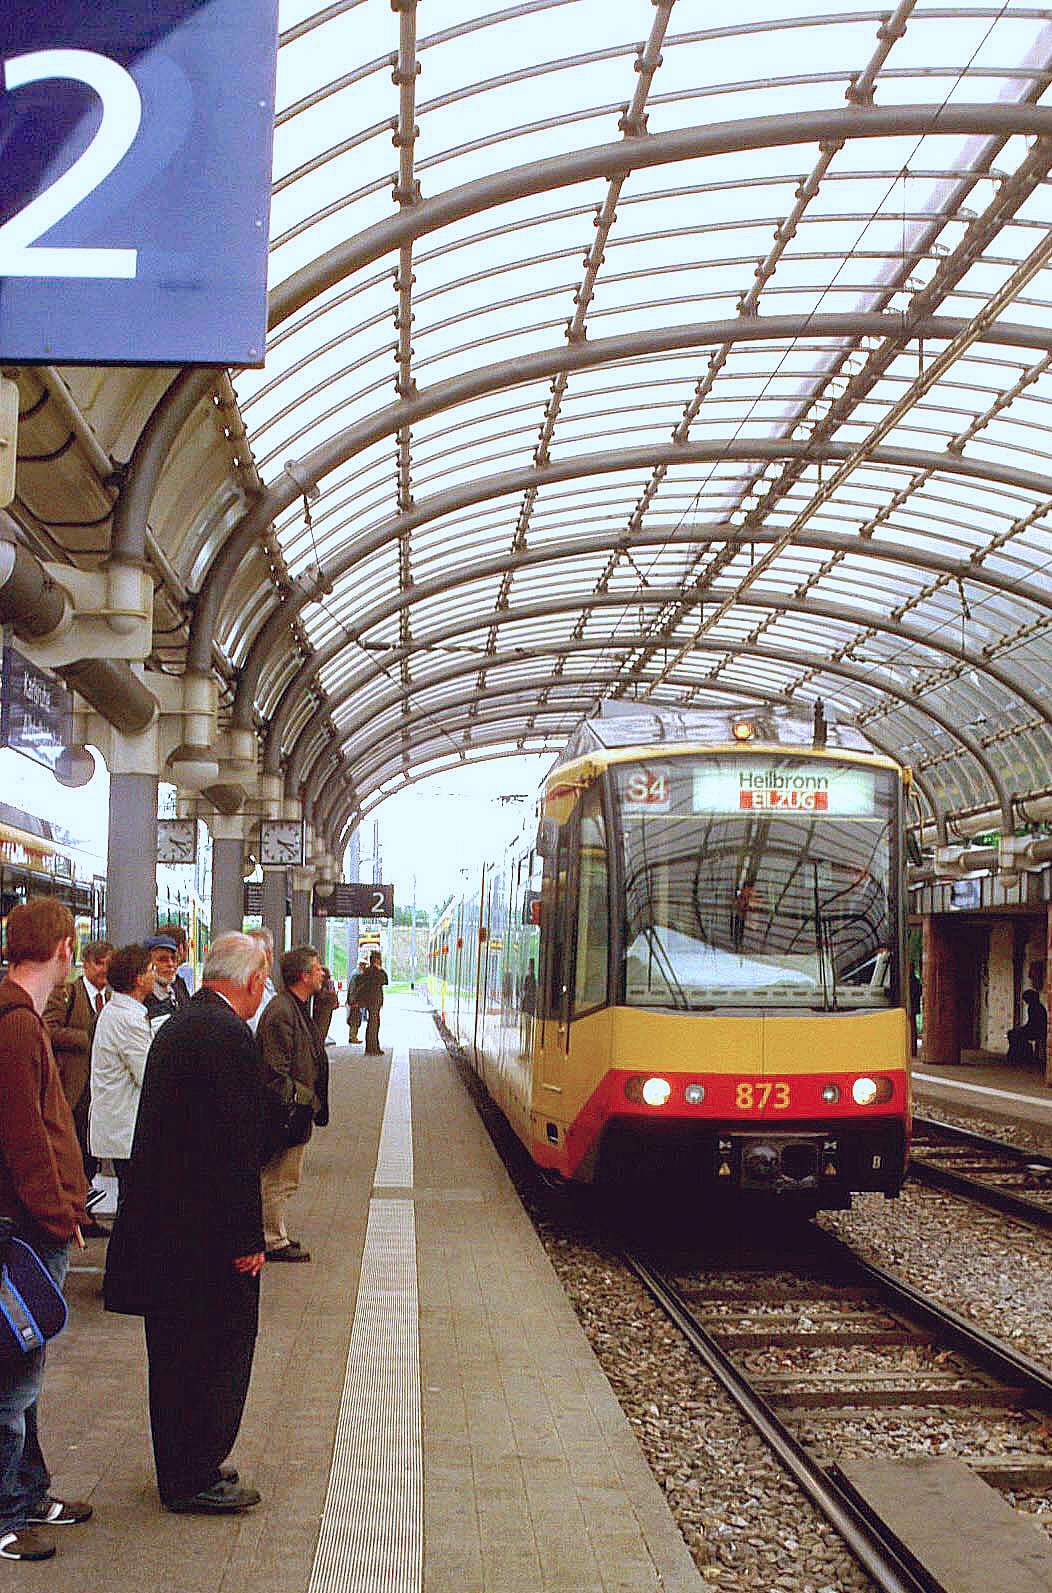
x=743 y=729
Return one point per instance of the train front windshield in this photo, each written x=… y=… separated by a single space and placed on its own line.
x=759 y=882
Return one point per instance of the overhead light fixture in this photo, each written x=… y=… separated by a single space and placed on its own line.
x=743 y=730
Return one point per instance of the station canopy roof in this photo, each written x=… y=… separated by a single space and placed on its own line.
x=652 y=351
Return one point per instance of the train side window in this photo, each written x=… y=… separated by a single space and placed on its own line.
x=593 y=907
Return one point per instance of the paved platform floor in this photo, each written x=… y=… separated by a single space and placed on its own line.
x=995 y=1089
x=478 y=1446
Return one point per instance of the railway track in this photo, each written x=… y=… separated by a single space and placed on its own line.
x=1004 y=1177
x=808 y=1343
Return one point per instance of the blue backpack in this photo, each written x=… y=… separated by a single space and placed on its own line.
x=32 y=1309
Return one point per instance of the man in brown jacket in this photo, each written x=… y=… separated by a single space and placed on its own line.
x=296 y=1077
x=42 y=1192
x=70 y=1017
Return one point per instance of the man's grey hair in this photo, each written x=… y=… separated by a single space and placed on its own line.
x=233 y=958
x=264 y=934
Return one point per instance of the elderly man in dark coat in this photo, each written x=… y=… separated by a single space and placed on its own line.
x=187 y=1246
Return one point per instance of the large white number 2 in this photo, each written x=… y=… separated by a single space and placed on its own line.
x=378 y=902
x=121 y=115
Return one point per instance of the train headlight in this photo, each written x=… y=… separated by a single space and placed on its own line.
x=871 y=1092
x=694 y=1094
x=831 y=1094
x=651 y=1092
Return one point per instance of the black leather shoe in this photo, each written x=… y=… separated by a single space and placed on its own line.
x=224 y=1499
x=289 y=1253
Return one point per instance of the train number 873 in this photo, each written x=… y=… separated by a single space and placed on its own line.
x=750 y=1097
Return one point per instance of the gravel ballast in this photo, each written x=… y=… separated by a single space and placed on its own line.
x=746 y=1524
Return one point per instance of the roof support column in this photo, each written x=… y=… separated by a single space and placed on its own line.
x=302 y=890
x=131 y=866
x=228 y=872
x=275 y=894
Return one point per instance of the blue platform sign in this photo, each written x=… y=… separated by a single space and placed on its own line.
x=135 y=167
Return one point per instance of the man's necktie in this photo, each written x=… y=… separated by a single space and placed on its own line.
x=99 y=1000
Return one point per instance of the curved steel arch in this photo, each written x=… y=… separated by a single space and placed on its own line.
x=288 y=487
x=301 y=764
x=626 y=460
x=429 y=215
x=763 y=132
x=831 y=542
x=346 y=734
x=838 y=669
x=639 y=154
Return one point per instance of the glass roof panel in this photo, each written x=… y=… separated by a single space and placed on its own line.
x=785 y=436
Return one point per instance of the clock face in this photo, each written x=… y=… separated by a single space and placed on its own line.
x=176 y=840
x=281 y=841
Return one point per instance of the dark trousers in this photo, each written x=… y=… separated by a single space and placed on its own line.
x=80 y=1123
x=372 y=1031
x=200 y=1365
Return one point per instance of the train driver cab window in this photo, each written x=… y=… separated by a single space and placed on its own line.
x=593 y=909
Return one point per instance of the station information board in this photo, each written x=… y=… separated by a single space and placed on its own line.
x=135 y=165
x=837 y=791
x=356 y=900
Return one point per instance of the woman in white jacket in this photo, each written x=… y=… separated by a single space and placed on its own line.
x=118 y=1057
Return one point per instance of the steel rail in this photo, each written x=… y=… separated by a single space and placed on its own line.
x=974 y=1188
x=997 y=1357
x=872 y=1548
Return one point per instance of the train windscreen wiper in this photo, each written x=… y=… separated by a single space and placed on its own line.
x=823 y=945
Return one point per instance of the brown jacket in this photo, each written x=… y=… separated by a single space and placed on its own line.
x=295 y=1063
x=70 y=1020
x=41 y=1171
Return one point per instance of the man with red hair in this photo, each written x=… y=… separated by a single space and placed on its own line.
x=42 y=1190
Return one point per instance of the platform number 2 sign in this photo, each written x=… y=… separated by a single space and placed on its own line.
x=21 y=255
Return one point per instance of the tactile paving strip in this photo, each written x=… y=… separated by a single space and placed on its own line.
x=371 y=1538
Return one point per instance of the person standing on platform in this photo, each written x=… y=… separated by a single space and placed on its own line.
x=118 y=1058
x=354 y=1002
x=371 y=996
x=42 y=1191
x=296 y=1077
x=266 y=939
x=325 y=1003
x=70 y=1017
x=187 y=1245
x=184 y=973
x=169 y=994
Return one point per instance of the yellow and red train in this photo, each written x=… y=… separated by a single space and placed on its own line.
x=696 y=968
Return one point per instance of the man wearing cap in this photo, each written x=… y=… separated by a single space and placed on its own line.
x=169 y=991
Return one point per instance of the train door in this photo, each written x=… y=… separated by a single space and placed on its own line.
x=558 y=958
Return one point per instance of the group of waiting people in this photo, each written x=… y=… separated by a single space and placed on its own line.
x=206 y=1124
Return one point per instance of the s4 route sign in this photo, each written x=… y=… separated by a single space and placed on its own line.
x=135 y=154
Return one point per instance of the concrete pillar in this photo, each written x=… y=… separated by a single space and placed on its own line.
x=275 y=891
x=131 y=864
x=944 y=1012
x=228 y=880
x=302 y=883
